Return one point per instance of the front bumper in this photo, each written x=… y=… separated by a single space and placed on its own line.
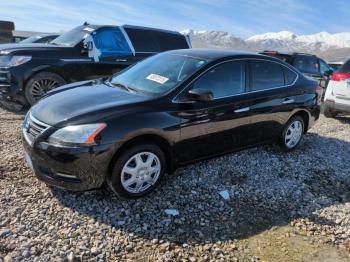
x=11 y=89
x=75 y=169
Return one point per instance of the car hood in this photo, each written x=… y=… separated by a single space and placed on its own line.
x=74 y=103
x=10 y=48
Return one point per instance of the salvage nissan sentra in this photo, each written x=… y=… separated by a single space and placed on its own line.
x=164 y=112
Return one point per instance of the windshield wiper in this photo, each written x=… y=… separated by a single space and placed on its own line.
x=125 y=87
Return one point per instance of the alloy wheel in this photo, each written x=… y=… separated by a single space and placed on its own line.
x=41 y=87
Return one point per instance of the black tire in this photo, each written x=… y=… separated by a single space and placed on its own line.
x=328 y=112
x=40 y=84
x=283 y=142
x=115 y=179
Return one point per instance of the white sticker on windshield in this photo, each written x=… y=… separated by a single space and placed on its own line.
x=157 y=78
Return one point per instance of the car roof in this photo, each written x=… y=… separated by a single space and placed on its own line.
x=215 y=54
x=150 y=29
x=96 y=27
x=286 y=53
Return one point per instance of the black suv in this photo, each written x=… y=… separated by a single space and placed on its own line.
x=27 y=71
x=308 y=64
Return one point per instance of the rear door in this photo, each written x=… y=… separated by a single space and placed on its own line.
x=271 y=98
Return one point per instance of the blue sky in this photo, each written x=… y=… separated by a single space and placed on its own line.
x=241 y=17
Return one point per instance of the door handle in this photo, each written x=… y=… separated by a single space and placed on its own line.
x=288 y=101
x=241 y=110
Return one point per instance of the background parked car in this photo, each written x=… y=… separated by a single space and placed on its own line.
x=308 y=64
x=28 y=71
x=337 y=98
x=335 y=65
x=39 y=39
x=169 y=110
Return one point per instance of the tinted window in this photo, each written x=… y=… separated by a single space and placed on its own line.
x=224 y=80
x=142 y=40
x=111 y=41
x=289 y=76
x=345 y=68
x=168 y=41
x=266 y=75
x=324 y=67
x=306 y=64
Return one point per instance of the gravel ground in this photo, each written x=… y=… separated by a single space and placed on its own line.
x=281 y=207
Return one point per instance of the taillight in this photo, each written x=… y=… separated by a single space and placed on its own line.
x=340 y=76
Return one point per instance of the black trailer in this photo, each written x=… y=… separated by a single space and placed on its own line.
x=6 y=29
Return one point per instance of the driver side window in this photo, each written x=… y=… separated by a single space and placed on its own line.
x=223 y=80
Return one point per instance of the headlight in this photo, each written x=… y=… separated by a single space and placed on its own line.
x=11 y=61
x=81 y=134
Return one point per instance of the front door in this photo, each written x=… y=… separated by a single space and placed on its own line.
x=220 y=125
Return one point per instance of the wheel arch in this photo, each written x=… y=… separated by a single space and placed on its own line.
x=156 y=139
x=44 y=68
x=305 y=115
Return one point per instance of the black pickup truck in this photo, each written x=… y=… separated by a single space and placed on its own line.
x=86 y=52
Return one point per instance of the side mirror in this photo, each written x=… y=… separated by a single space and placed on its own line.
x=200 y=95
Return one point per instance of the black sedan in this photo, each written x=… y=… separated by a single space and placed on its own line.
x=169 y=110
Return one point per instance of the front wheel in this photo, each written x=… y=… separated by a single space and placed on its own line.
x=138 y=171
x=40 y=84
x=292 y=133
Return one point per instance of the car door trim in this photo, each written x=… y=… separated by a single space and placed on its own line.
x=174 y=100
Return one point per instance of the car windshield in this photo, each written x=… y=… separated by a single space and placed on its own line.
x=31 y=39
x=158 y=74
x=72 y=37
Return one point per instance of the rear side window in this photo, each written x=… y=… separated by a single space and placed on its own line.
x=168 y=41
x=289 y=76
x=223 y=80
x=266 y=75
x=345 y=68
x=306 y=64
x=142 y=40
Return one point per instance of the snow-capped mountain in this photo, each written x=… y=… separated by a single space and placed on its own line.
x=216 y=39
x=322 y=41
x=329 y=46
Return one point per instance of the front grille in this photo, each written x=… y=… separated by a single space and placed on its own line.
x=4 y=76
x=32 y=128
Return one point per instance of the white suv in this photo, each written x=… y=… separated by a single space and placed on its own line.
x=337 y=98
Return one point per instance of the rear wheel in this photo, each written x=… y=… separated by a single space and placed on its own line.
x=40 y=84
x=138 y=171
x=292 y=133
